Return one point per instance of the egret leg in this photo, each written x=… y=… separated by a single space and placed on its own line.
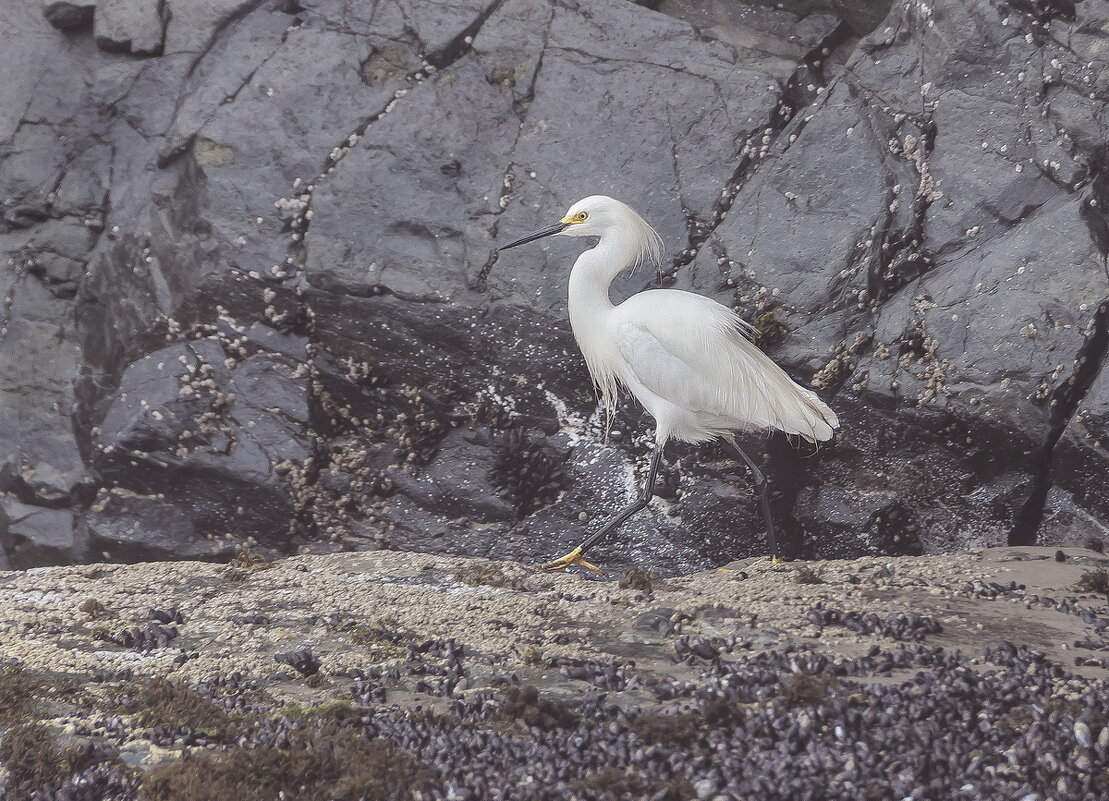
x=763 y=486
x=575 y=556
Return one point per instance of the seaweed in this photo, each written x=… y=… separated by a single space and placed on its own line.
x=324 y=762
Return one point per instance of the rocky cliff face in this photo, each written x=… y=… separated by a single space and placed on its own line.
x=252 y=292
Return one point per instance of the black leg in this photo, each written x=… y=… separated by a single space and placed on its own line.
x=575 y=556
x=763 y=487
x=631 y=509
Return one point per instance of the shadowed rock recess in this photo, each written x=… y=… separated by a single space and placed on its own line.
x=251 y=292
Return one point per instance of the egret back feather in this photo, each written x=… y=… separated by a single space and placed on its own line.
x=696 y=354
x=688 y=359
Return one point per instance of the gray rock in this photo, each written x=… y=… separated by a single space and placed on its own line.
x=1077 y=468
x=33 y=536
x=309 y=197
x=39 y=361
x=135 y=26
x=838 y=521
x=771 y=28
x=938 y=274
x=67 y=14
x=217 y=441
x=122 y=525
x=458 y=482
x=1068 y=522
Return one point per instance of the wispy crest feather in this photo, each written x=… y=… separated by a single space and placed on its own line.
x=651 y=249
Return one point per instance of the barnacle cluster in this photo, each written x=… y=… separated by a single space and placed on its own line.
x=528 y=469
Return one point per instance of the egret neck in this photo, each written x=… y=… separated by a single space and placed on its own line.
x=590 y=306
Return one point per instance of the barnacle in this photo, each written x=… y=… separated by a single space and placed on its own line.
x=528 y=469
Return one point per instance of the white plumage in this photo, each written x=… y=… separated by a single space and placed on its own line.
x=688 y=359
x=685 y=357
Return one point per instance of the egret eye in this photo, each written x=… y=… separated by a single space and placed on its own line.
x=581 y=216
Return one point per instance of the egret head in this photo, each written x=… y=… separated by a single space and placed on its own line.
x=603 y=217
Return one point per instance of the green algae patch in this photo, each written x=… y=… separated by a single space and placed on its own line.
x=1093 y=581
x=491 y=576
x=158 y=702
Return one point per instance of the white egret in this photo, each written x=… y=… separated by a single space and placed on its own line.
x=686 y=358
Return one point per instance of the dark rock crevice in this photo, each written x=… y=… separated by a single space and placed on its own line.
x=1064 y=403
x=793 y=98
x=1095 y=207
x=902 y=255
x=463 y=42
x=219 y=31
x=453 y=51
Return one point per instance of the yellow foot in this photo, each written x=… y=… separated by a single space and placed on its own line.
x=777 y=560
x=572 y=558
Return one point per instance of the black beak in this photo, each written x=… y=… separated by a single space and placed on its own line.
x=550 y=230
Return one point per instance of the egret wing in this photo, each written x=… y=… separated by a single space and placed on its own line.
x=694 y=353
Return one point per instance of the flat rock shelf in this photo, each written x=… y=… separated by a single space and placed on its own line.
x=397 y=675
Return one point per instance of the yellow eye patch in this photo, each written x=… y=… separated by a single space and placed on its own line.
x=581 y=216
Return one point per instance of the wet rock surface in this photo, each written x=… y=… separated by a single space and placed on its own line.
x=405 y=676
x=251 y=292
